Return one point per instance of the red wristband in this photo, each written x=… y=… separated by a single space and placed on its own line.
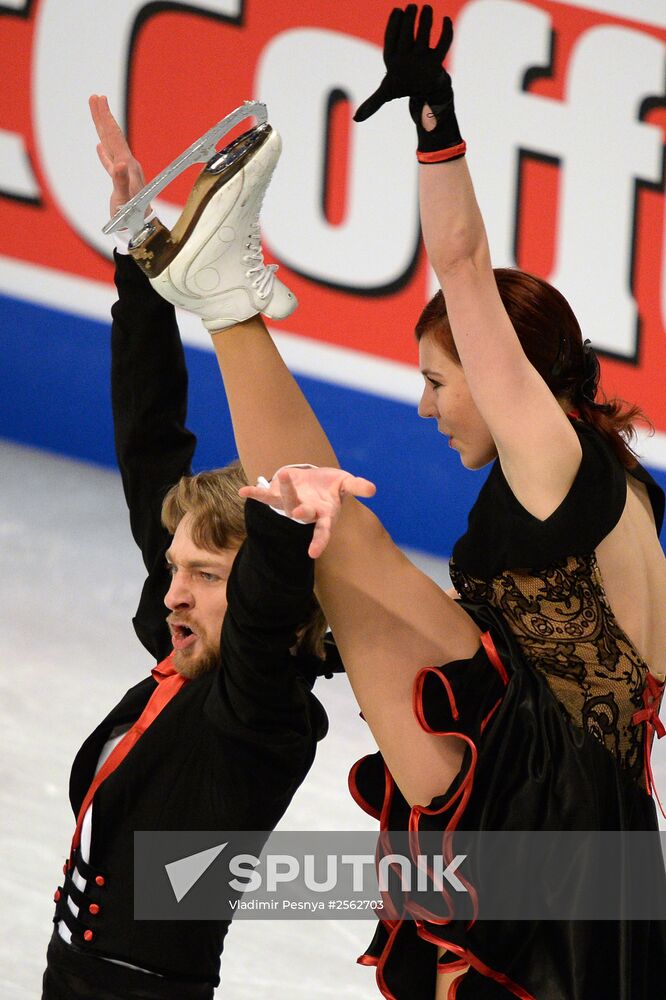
x=442 y=155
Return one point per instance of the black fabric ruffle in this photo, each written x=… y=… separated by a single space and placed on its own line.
x=526 y=767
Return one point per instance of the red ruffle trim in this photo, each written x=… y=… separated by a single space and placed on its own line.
x=456 y=802
x=649 y=714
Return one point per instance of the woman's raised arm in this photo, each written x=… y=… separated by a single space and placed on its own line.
x=539 y=455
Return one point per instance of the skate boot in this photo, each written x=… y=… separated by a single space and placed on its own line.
x=211 y=262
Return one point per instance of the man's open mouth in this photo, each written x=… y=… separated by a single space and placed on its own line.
x=181 y=635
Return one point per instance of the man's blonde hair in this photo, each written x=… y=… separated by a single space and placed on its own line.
x=211 y=498
x=218 y=522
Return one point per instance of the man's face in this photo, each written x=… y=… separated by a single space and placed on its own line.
x=197 y=600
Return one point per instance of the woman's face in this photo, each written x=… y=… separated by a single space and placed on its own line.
x=447 y=399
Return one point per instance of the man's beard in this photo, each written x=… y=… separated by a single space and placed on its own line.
x=192 y=667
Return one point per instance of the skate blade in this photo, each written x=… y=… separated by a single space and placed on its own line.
x=131 y=215
x=155 y=246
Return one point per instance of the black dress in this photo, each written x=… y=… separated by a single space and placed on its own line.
x=557 y=710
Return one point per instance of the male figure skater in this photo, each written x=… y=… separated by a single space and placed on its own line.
x=225 y=730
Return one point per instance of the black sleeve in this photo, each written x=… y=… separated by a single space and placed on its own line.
x=502 y=534
x=153 y=447
x=259 y=695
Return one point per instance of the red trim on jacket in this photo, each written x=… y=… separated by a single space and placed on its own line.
x=169 y=684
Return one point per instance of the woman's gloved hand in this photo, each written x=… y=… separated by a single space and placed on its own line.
x=414 y=70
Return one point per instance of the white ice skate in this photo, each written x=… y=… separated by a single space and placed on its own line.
x=211 y=262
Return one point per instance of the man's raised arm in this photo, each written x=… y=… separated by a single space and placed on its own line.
x=148 y=393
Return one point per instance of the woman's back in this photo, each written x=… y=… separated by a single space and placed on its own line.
x=633 y=570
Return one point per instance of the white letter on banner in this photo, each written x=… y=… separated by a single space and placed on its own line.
x=375 y=244
x=496 y=43
x=82 y=48
x=595 y=132
x=612 y=71
x=16 y=177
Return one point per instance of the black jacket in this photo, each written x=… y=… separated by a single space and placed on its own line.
x=231 y=748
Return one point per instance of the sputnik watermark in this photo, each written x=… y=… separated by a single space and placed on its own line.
x=422 y=872
x=505 y=875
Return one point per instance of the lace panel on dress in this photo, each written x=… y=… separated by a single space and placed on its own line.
x=564 y=625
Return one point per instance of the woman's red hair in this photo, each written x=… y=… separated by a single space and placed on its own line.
x=551 y=338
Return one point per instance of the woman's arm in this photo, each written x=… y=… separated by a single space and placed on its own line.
x=538 y=448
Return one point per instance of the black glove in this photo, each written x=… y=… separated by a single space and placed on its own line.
x=415 y=70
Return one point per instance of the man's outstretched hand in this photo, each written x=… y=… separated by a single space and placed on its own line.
x=115 y=155
x=311 y=495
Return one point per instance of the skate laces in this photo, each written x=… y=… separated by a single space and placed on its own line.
x=265 y=273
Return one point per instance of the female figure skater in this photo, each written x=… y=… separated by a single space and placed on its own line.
x=533 y=706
